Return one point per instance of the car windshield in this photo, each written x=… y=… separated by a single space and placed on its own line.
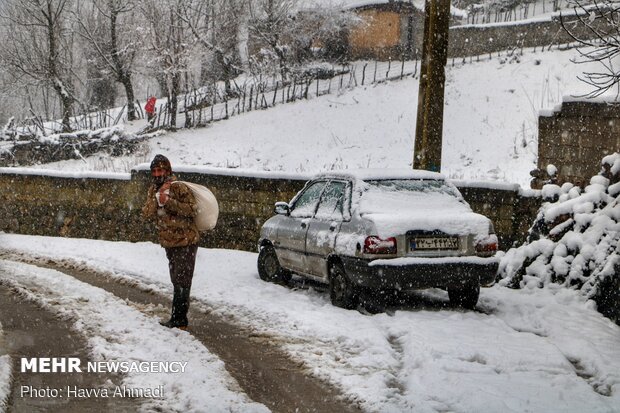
x=426 y=186
x=406 y=195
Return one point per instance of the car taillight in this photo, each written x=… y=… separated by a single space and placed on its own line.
x=487 y=244
x=376 y=245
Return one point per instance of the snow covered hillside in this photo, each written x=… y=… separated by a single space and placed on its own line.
x=490 y=125
x=535 y=350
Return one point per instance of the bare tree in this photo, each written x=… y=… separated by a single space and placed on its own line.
x=215 y=26
x=38 y=47
x=325 y=26
x=108 y=29
x=288 y=29
x=170 y=45
x=271 y=24
x=595 y=26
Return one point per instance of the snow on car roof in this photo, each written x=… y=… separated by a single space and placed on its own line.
x=388 y=173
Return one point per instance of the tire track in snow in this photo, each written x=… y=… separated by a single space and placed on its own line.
x=604 y=389
x=586 y=374
x=395 y=383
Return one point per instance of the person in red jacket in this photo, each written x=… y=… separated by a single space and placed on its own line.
x=149 y=108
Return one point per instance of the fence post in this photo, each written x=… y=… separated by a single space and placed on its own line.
x=402 y=67
x=275 y=93
x=364 y=73
x=244 y=91
x=374 y=79
x=251 y=92
x=389 y=68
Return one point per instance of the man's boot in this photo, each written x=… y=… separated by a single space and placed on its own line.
x=183 y=307
x=177 y=319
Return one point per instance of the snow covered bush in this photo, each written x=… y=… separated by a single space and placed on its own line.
x=575 y=241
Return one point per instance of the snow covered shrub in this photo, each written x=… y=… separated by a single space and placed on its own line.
x=575 y=241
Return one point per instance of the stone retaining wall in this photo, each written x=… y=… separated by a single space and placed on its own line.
x=576 y=137
x=107 y=208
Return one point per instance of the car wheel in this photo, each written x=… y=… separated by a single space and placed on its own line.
x=269 y=268
x=341 y=291
x=465 y=296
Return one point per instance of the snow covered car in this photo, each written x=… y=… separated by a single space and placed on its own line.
x=368 y=230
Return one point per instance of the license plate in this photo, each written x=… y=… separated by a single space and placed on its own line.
x=435 y=243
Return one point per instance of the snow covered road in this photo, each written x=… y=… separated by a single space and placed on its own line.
x=116 y=331
x=521 y=351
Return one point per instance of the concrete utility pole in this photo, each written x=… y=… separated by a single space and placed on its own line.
x=429 y=124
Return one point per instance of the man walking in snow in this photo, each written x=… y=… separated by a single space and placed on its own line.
x=172 y=206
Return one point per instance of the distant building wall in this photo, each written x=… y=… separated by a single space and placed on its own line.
x=473 y=40
x=387 y=31
x=576 y=138
x=382 y=30
x=109 y=209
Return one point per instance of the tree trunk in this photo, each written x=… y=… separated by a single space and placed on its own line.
x=131 y=107
x=174 y=95
x=67 y=105
x=226 y=71
x=53 y=70
x=123 y=75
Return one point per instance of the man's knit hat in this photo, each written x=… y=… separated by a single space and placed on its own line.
x=160 y=161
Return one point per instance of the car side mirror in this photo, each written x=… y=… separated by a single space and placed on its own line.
x=281 y=208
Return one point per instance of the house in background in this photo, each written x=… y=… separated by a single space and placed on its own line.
x=387 y=30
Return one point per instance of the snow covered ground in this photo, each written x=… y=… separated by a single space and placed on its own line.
x=490 y=126
x=116 y=331
x=531 y=350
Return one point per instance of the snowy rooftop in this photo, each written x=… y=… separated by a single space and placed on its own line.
x=352 y=4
